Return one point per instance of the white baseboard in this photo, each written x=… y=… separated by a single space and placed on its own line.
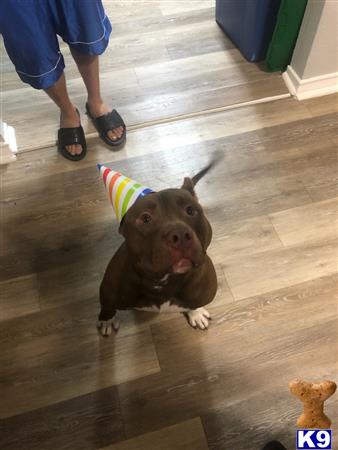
x=310 y=87
x=8 y=147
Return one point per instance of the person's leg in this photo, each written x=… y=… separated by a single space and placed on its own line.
x=30 y=39
x=88 y=66
x=69 y=116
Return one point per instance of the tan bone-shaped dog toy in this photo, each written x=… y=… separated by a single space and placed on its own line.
x=313 y=396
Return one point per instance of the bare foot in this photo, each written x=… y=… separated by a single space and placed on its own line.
x=71 y=120
x=99 y=109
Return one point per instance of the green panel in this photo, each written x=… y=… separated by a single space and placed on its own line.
x=284 y=38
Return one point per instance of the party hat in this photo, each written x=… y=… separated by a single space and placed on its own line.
x=122 y=191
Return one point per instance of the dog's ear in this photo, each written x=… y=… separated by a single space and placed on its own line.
x=188 y=185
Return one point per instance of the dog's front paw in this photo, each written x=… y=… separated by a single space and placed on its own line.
x=106 y=327
x=198 y=318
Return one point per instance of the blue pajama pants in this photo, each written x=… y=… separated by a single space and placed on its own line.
x=30 y=28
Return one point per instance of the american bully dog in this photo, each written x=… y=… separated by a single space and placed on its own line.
x=163 y=262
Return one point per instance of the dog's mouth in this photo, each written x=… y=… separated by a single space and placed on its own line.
x=182 y=266
x=183 y=261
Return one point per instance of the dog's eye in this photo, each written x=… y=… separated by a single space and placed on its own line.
x=146 y=218
x=190 y=211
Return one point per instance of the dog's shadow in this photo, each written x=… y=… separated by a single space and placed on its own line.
x=195 y=384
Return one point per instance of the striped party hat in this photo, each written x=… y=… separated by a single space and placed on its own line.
x=122 y=191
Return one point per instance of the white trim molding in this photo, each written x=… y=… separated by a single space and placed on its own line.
x=8 y=147
x=313 y=70
x=310 y=87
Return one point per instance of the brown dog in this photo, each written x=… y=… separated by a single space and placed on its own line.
x=163 y=261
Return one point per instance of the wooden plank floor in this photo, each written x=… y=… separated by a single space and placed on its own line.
x=158 y=383
x=165 y=58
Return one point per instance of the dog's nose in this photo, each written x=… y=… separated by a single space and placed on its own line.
x=179 y=237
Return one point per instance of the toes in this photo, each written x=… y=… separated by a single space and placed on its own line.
x=205 y=322
x=105 y=327
x=206 y=314
x=74 y=149
x=199 y=318
x=115 y=323
x=199 y=324
x=192 y=322
x=115 y=134
x=78 y=149
x=111 y=134
x=118 y=131
x=70 y=149
x=202 y=323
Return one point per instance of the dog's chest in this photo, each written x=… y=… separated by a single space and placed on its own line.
x=166 y=306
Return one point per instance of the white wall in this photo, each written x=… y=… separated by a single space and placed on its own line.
x=314 y=67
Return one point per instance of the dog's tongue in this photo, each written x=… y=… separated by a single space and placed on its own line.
x=182 y=266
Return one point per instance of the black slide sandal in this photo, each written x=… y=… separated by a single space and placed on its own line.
x=72 y=136
x=106 y=123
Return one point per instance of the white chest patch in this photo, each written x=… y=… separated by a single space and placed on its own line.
x=166 y=307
